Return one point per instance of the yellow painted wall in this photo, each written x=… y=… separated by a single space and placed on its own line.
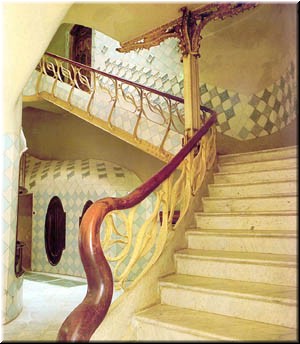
x=249 y=52
x=46 y=138
x=59 y=44
x=27 y=31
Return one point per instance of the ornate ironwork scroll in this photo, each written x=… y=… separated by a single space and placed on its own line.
x=186 y=28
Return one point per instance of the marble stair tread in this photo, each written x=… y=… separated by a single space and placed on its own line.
x=268 y=292
x=272 y=182
x=253 y=188
x=257 y=165
x=213 y=326
x=243 y=232
x=257 y=162
x=241 y=203
x=276 y=174
x=286 y=169
x=249 y=213
x=238 y=197
x=253 y=257
x=267 y=154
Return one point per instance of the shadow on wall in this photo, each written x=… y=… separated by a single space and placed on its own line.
x=287 y=136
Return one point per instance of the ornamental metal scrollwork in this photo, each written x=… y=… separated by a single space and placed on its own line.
x=187 y=28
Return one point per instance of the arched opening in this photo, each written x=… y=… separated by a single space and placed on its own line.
x=81 y=44
x=81 y=49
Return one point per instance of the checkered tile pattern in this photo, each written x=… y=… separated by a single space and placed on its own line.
x=239 y=116
x=273 y=108
x=12 y=286
x=74 y=182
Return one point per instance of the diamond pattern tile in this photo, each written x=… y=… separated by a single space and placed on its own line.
x=82 y=185
x=12 y=303
x=160 y=68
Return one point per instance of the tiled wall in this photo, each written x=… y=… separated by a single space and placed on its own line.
x=240 y=116
x=74 y=182
x=12 y=286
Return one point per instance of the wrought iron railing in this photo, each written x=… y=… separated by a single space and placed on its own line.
x=121 y=238
x=134 y=112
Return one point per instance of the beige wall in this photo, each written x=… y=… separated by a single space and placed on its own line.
x=249 y=52
x=59 y=44
x=287 y=136
x=46 y=134
x=27 y=31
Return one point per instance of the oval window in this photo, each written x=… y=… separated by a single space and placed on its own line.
x=55 y=230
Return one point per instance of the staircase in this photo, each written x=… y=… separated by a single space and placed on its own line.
x=236 y=280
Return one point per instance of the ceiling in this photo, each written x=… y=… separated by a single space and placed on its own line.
x=125 y=21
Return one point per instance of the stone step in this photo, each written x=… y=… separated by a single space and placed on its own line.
x=270 y=188
x=262 y=155
x=244 y=204
x=252 y=221
x=256 y=176
x=169 y=323
x=243 y=266
x=257 y=165
x=267 y=303
x=264 y=241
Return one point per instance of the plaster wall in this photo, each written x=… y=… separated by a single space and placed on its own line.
x=59 y=44
x=247 y=70
x=27 y=31
x=46 y=139
x=13 y=146
x=249 y=52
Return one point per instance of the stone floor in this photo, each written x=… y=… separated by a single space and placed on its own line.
x=47 y=300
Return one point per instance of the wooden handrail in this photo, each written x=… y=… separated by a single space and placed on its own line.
x=88 y=315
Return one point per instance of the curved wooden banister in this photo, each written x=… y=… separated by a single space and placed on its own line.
x=88 y=315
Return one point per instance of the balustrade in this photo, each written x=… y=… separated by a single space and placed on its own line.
x=121 y=238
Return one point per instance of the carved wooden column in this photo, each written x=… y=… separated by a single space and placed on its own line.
x=188 y=30
x=190 y=45
x=191 y=95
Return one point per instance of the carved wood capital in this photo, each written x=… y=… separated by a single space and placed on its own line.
x=186 y=28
